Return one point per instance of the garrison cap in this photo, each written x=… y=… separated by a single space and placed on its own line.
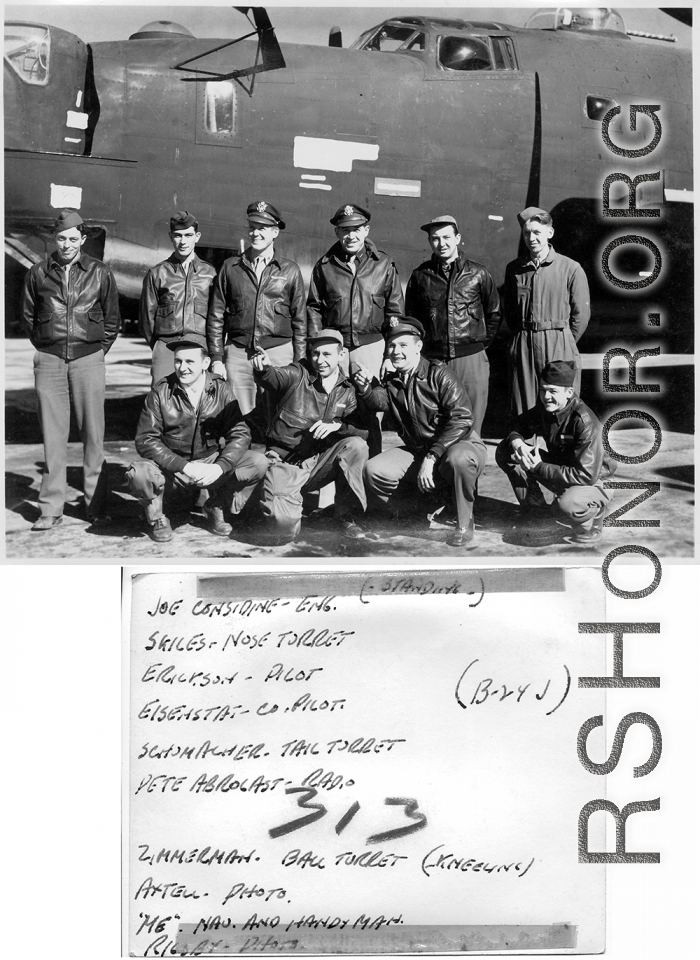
x=326 y=336
x=534 y=213
x=182 y=220
x=66 y=219
x=447 y=220
x=188 y=341
x=559 y=373
x=350 y=215
x=264 y=213
x=397 y=326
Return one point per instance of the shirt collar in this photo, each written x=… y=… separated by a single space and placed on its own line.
x=80 y=260
x=548 y=259
x=192 y=261
x=209 y=385
x=265 y=258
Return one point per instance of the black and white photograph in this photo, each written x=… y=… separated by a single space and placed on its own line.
x=348 y=282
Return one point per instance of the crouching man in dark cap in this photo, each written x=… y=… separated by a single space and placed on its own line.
x=192 y=437
x=433 y=418
x=573 y=466
x=311 y=439
x=70 y=307
x=175 y=295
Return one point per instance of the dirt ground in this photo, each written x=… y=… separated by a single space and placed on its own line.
x=497 y=531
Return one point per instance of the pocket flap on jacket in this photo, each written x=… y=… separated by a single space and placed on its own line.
x=282 y=309
x=96 y=314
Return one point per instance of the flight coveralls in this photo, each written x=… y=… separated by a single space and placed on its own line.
x=306 y=463
x=174 y=303
x=459 y=307
x=355 y=295
x=431 y=410
x=73 y=320
x=547 y=308
x=574 y=465
x=245 y=313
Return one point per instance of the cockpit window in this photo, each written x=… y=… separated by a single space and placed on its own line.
x=464 y=53
x=27 y=49
x=390 y=38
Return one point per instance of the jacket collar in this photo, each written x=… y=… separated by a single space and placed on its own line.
x=561 y=415
x=550 y=258
x=460 y=261
x=343 y=379
x=242 y=258
x=209 y=384
x=196 y=263
x=337 y=251
x=420 y=372
x=82 y=260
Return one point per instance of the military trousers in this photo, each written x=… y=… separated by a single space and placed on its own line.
x=579 y=504
x=61 y=386
x=239 y=373
x=147 y=481
x=392 y=476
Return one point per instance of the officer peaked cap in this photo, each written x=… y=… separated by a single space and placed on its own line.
x=350 y=215
x=265 y=214
x=183 y=220
x=398 y=325
x=66 y=219
x=559 y=373
x=534 y=213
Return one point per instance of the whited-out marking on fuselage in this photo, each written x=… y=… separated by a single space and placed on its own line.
x=315 y=186
x=66 y=196
x=397 y=188
x=319 y=153
x=312 y=176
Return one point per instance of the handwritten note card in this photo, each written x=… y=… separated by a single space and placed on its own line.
x=361 y=763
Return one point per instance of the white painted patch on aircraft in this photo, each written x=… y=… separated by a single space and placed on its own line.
x=388 y=187
x=679 y=196
x=63 y=195
x=79 y=99
x=319 y=153
x=78 y=121
x=315 y=186
x=494 y=217
x=312 y=176
x=71 y=140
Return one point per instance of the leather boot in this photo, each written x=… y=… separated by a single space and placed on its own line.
x=159 y=528
x=214 y=513
x=594 y=533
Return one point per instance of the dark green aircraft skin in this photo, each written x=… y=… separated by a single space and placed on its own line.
x=482 y=144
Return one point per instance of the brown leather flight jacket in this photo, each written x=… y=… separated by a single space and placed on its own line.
x=431 y=412
x=174 y=303
x=75 y=319
x=250 y=315
x=301 y=403
x=461 y=316
x=354 y=303
x=172 y=434
x=574 y=437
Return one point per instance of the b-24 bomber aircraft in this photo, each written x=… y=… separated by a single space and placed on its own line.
x=421 y=115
